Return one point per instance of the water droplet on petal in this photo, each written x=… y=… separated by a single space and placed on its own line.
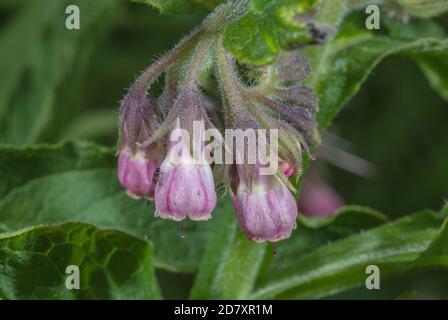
x=182 y=230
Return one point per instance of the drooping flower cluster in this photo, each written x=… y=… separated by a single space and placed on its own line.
x=162 y=155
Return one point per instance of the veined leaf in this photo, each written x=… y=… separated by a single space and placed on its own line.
x=314 y=232
x=228 y=247
x=269 y=26
x=111 y=264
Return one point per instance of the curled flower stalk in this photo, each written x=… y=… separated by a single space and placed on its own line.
x=163 y=151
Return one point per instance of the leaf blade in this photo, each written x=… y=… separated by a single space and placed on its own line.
x=112 y=265
x=394 y=247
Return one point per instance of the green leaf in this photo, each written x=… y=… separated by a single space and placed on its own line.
x=78 y=181
x=437 y=252
x=267 y=27
x=352 y=217
x=112 y=264
x=314 y=232
x=181 y=6
x=394 y=247
x=37 y=53
x=230 y=264
x=435 y=68
x=343 y=65
x=218 y=278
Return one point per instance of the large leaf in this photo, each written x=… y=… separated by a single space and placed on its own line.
x=230 y=264
x=112 y=265
x=315 y=232
x=218 y=277
x=77 y=181
x=340 y=68
x=37 y=52
x=395 y=248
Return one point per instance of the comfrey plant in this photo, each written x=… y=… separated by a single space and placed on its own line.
x=269 y=98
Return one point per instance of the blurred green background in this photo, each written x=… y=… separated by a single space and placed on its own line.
x=396 y=122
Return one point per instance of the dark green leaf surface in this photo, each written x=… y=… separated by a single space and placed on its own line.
x=342 y=66
x=112 y=265
x=228 y=247
x=314 y=232
x=77 y=181
x=394 y=247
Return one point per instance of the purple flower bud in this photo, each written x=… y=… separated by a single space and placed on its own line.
x=185 y=186
x=267 y=211
x=136 y=165
x=287 y=169
x=136 y=172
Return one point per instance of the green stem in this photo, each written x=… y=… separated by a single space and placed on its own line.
x=212 y=25
x=148 y=76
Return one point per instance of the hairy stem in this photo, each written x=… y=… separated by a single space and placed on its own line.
x=212 y=25
x=148 y=76
x=228 y=79
x=198 y=61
